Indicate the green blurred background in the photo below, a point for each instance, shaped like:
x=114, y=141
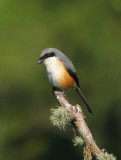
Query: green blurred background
x=89, y=33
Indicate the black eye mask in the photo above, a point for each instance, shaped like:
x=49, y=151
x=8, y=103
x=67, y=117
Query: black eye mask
x=47, y=55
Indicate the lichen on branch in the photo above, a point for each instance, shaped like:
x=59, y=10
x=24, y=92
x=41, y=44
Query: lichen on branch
x=60, y=117
x=73, y=115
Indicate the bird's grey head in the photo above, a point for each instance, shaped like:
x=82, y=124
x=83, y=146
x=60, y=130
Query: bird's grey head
x=51, y=52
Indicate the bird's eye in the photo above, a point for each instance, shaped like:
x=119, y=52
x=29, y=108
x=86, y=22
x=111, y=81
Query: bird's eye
x=47, y=55
x=51, y=54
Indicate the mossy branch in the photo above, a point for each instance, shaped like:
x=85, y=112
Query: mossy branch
x=73, y=115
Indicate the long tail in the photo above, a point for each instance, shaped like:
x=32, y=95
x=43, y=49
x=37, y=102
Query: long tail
x=83, y=98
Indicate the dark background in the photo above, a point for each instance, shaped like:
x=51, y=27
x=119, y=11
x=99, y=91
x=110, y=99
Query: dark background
x=89, y=33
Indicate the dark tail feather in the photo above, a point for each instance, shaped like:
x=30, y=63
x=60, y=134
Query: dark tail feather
x=84, y=99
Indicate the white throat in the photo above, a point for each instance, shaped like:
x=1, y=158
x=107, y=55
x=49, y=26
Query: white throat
x=54, y=71
x=50, y=61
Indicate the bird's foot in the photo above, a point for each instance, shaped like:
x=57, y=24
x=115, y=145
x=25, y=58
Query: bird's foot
x=59, y=92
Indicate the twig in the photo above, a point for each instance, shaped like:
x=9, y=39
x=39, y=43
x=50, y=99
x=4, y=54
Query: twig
x=79, y=123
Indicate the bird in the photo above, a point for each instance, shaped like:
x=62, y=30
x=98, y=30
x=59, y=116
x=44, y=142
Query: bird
x=61, y=72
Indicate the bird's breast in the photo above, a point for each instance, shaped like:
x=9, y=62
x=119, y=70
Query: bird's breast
x=57, y=74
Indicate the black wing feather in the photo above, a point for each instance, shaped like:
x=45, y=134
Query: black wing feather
x=73, y=74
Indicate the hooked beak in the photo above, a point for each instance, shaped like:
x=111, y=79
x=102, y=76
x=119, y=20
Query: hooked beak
x=39, y=61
